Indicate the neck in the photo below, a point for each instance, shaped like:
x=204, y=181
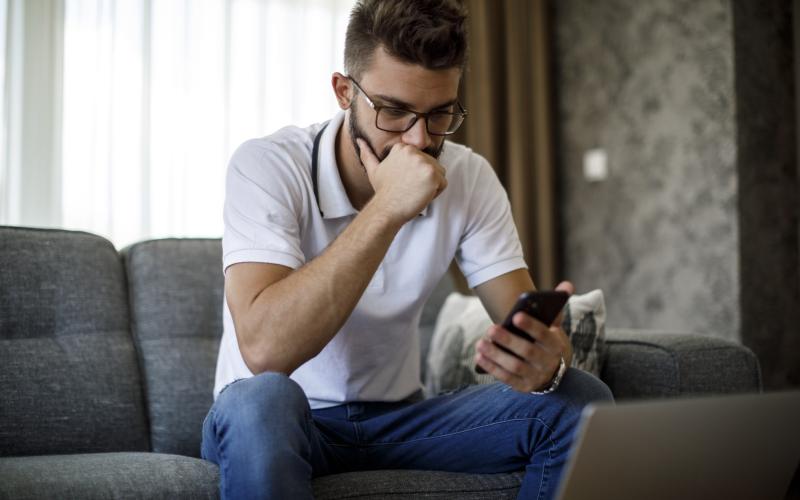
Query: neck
x=354, y=177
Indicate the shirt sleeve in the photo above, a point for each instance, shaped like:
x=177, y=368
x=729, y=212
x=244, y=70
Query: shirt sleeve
x=262, y=208
x=489, y=246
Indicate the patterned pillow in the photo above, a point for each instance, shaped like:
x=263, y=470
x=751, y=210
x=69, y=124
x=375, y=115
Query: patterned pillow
x=462, y=321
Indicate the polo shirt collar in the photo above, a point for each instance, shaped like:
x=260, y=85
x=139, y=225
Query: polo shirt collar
x=333, y=200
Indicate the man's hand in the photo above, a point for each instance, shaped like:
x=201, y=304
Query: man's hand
x=540, y=359
x=406, y=181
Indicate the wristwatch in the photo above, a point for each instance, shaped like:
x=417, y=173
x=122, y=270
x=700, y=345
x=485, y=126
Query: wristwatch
x=562, y=368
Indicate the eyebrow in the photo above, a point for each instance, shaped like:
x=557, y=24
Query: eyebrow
x=402, y=104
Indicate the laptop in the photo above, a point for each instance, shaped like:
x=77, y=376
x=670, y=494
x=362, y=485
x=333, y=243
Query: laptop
x=728, y=447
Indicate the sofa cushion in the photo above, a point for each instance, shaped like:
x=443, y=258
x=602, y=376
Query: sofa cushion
x=381, y=484
x=176, y=306
x=585, y=324
x=68, y=370
x=462, y=321
x=108, y=475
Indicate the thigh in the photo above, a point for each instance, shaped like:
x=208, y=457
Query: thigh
x=480, y=429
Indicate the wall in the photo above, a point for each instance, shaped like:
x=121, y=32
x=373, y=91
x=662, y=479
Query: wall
x=653, y=84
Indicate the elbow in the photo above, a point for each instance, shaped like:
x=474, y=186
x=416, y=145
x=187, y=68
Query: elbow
x=259, y=363
x=261, y=353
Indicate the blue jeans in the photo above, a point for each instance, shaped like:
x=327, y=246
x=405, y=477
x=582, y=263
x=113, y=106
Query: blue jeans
x=268, y=443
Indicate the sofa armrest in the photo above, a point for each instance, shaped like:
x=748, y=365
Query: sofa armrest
x=654, y=364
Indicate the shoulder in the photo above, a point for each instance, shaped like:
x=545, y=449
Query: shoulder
x=289, y=145
x=282, y=157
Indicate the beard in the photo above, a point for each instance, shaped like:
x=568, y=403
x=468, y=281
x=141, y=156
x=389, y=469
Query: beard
x=356, y=132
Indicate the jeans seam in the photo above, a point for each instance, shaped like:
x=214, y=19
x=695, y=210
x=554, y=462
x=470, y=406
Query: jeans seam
x=228, y=385
x=308, y=424
x=546, y=464
x=203, y=440
x=222, y=473
x=221, y=461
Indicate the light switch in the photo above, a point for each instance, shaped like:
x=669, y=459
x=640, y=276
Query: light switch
x=595, y=165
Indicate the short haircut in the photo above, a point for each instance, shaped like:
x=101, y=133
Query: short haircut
x=430, y=33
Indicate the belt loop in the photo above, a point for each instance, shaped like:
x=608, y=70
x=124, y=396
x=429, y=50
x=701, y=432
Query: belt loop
x=354, y=411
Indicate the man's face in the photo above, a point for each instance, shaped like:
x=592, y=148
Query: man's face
x=390, y=82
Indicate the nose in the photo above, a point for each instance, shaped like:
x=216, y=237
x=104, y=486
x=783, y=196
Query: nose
x=417, y=135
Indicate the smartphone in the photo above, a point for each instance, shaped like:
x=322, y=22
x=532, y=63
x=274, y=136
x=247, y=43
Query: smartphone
x=542, y=305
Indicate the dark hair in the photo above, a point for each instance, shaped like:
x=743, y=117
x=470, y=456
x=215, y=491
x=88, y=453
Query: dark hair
x=431, y=33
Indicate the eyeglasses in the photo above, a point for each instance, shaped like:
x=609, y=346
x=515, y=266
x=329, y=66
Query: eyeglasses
x=393, y=119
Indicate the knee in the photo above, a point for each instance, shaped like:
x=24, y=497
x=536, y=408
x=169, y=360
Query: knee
x=259, y=396
x=582, y=388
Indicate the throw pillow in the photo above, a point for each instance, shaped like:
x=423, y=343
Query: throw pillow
x=462, y=321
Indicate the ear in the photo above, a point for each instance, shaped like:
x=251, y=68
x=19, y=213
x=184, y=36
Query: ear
x=343, y=89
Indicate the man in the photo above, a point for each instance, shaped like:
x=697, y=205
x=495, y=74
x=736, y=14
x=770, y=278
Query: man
x=335, y=235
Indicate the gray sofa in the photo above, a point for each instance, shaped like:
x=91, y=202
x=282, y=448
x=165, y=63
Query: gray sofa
x=107, y=366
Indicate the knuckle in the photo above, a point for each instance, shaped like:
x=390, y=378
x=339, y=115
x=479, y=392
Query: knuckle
x=529, y=351
x=495, y=334
x=516, y=366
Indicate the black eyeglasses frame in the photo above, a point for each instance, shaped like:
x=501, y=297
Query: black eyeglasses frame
x=458, y=117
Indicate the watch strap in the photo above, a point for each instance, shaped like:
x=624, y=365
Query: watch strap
x=562, y=369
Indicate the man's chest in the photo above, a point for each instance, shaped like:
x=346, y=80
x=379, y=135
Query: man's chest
x=418, y=257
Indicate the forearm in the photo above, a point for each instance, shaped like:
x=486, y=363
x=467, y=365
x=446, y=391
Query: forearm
x=292, y=320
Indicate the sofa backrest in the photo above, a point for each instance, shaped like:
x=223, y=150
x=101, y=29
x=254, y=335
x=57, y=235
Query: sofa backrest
x=176, y=288
x=69, y=377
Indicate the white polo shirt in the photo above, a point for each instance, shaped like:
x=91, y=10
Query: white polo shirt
x=272, y=215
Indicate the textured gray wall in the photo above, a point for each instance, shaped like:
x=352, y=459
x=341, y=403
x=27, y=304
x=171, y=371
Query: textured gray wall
x=653, y=84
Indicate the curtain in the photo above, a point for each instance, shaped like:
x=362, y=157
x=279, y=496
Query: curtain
x=4, y=188
x=30, y=112
x=150, y=100
x=507, y=93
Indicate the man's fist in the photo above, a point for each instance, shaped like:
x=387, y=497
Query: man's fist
x=406, y=181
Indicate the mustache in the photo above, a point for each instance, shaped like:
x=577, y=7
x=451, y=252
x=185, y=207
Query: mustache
x=431, y=151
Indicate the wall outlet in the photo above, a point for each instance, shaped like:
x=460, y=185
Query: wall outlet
x=595, y=165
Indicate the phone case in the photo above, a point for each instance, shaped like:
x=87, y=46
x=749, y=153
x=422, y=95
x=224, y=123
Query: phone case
x=544, y=306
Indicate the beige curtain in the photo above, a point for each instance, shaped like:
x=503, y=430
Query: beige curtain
x=507, y=92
